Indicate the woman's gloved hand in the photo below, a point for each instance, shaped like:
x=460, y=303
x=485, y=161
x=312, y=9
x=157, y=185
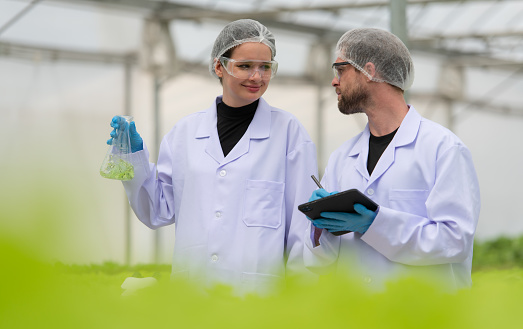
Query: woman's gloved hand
x=344, y=221
x=120, y=123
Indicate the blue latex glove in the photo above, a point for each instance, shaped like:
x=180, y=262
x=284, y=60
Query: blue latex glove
x=120, y=123
x=318, y=194
x=344, y=221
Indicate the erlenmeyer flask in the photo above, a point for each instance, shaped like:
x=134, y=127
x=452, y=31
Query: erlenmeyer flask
x=117, y=164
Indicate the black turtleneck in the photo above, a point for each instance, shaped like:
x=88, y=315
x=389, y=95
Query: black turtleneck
x=233, y=123
x=377, y=146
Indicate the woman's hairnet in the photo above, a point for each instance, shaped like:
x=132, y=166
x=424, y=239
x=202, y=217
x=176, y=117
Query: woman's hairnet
x=238, y=32
x=386, y=51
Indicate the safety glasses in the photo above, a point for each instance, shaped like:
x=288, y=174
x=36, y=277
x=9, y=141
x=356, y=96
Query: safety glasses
x=245, y=69
x=337, y=68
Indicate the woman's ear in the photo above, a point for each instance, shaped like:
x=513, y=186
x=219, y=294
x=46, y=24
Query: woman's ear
x=218, y=69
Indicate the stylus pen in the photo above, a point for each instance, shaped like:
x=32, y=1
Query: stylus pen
x=316, y=181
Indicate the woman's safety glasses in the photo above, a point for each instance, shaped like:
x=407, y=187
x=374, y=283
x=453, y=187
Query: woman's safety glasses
x=245, y=69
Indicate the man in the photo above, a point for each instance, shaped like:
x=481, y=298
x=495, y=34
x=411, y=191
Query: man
x=419, y=173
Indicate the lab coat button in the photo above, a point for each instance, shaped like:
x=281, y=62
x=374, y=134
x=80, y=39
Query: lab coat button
x=223, y=173
x=214, y=258
x=218, y=214
x=370, y=191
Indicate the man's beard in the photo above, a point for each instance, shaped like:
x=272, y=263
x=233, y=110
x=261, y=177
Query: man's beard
x=355, y=102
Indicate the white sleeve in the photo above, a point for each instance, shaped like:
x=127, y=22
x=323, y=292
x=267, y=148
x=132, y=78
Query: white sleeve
x=321, y=258
x=151, y=198
x=301, y=164
x=447, y=234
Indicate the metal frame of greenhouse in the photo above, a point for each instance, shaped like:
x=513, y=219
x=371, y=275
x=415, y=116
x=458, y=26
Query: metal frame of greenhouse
x=157, y=16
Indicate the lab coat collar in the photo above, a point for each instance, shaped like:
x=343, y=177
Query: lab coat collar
x=260, y=126
x=258, y=129
x=209, y=121
x=405, y=135
x=408, y=129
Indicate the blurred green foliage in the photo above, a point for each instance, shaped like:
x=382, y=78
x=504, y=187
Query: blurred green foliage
x=499, y=253
x=36, y=294
x=502, y=252
x=112, y=268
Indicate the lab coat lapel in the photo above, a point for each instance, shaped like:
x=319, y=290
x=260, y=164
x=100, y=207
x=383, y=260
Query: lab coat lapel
x=405, y=135
x=361, y=150
x=385, y=161
x=239, y=149
x=207, y=129
x=259, y=128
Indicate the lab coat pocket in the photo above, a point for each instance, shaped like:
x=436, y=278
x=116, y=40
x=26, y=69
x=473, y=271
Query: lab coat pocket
x=410, y=201
x=263, y=203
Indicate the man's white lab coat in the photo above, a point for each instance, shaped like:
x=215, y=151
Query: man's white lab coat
x=428, y=196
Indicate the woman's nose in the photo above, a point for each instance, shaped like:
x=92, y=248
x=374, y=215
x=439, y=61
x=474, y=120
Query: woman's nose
x=254, y=77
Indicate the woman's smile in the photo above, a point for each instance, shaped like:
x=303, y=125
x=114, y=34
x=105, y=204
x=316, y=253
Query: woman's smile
x=252, y=88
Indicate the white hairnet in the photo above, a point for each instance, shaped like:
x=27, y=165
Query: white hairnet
x=238, y=32
x=386, y=51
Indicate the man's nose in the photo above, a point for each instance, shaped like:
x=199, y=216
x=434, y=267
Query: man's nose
x=335, y=82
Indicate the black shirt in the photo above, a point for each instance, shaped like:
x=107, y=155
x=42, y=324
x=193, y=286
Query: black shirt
x=233, y=123
x=377, y=146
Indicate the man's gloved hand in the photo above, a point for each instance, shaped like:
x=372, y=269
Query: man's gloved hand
x=344, y=221
x=120, y=123
x=318, y=194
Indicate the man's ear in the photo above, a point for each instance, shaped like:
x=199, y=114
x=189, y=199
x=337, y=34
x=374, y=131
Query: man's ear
x=218, y=69
x=370, y=69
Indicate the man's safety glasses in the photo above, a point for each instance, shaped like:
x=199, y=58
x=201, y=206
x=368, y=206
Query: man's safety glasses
x=337, y=68
x=245, y=69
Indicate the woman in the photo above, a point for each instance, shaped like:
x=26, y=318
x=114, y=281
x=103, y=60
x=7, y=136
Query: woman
x=231, y=177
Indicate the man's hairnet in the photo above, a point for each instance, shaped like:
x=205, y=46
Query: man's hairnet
x=386, y=51
x=238, y=32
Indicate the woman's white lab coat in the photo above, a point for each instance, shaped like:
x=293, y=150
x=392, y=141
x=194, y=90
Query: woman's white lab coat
x=236, y=217
x=428, y=193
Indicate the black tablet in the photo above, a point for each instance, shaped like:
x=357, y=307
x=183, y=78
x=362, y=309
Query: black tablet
x=339, y=202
